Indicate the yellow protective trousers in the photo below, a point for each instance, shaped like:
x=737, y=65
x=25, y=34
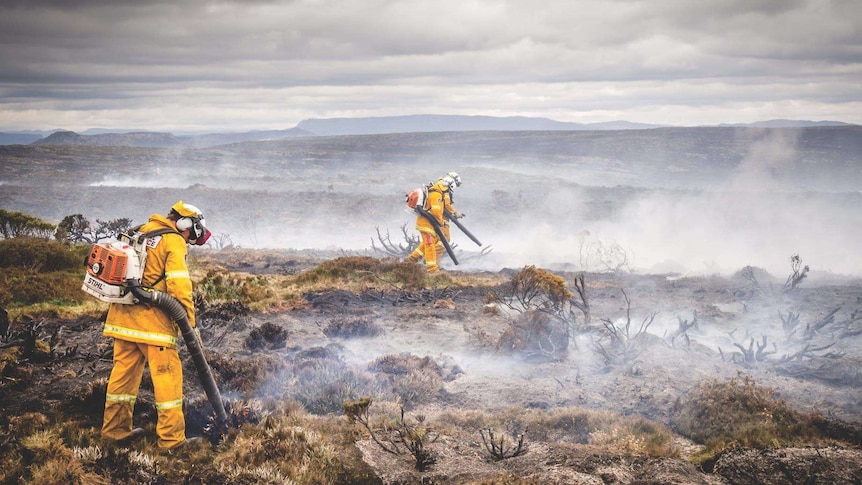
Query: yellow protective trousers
x=166, y=371
x=429, y=249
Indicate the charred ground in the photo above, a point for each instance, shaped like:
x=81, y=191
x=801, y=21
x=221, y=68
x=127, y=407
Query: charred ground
x=733, y=376
x=644, y=392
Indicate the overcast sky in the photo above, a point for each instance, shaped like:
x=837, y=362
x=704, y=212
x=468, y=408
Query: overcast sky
x=196, y=65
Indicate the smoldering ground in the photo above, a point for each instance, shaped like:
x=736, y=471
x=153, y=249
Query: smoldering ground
x=446, y=353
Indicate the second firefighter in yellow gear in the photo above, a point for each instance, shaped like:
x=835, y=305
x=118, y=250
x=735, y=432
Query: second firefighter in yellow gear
x=438, y=203
x=146, y=335
x=428, y=236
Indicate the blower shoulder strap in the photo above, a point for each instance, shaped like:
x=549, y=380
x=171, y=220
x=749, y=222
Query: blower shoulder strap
x=139, y=240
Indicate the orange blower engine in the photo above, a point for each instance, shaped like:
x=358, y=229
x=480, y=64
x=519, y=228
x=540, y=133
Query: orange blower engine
x=109, y=266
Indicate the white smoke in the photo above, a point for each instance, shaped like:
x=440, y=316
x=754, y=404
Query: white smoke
x=756, y=217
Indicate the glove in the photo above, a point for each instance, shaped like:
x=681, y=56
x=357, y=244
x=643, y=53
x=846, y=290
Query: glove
x=460, y=215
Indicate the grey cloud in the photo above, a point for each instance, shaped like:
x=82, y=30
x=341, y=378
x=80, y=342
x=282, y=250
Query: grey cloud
x=398, y=55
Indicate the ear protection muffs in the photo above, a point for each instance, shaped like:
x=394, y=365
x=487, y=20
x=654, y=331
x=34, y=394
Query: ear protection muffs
x=199, y=234
x=185, y=223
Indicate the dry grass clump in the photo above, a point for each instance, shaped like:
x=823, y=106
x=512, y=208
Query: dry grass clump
x=412, y=379
x=27, y=423
x=624, y=435
x=404, y=363
x=279, y=450
x=507, y=479
x=52, y=463
x=281, y=445
x=267, y=336
x=351, y=327
x=321, y=381
x=67, y=453
x=739, y=414
x=8, y=357
x=535, y=335
x=222, y=285
x=357, y=272
x=244, y=376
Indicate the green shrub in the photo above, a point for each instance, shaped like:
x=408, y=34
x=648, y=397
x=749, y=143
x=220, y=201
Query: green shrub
x=40, y=255
x=25, y=287
x=17, y=224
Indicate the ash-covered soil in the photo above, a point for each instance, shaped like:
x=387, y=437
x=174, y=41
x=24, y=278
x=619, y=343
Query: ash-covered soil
x=805, y=343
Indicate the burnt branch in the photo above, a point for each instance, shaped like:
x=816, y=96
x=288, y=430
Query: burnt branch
x=798, y=273
x=682, y=329
x=623, y=347
x=814, y=329
x=396, y=437
x=580, y=300
x=849, y=328
x=789, y=324
x=750, y=355
x=388, y=248
x=499, y=448
x=809, y=352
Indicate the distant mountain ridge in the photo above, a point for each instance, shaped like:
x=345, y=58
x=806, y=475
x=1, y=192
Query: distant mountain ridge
x=140, y=139
x=787, y=124
x=353, y=126
x=435, y=123
x=164, y=140
x=19, y=138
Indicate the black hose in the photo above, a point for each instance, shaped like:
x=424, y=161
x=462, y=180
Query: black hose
x=455, y=221
x=177, y=312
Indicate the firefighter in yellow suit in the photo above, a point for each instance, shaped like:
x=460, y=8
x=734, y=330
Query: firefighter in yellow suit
x=439, y=198
x=145, y=335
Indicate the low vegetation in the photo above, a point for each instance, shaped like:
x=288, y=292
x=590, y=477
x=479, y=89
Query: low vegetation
x=300, y=415
x=740, y=414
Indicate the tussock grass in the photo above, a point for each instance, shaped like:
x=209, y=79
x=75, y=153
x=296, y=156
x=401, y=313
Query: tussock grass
x=623, y=435
x=356, y=273
x=412, y=379
x=286, y=446
x=507, y=479
x=220, y=285
x=351, y=327
x=739, y=414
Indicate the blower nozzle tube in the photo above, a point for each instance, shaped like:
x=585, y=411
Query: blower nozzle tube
x=177, y=313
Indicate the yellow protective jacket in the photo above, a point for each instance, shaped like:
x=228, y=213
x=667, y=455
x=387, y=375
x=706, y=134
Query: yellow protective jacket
x=447, y=204
x=434, y=205
x=142, y=323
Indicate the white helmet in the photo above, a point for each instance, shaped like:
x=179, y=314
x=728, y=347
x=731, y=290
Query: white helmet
x=451, y=179
x=191, y=218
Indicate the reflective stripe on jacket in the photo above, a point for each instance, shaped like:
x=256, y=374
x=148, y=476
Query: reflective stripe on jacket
x=166, y=255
